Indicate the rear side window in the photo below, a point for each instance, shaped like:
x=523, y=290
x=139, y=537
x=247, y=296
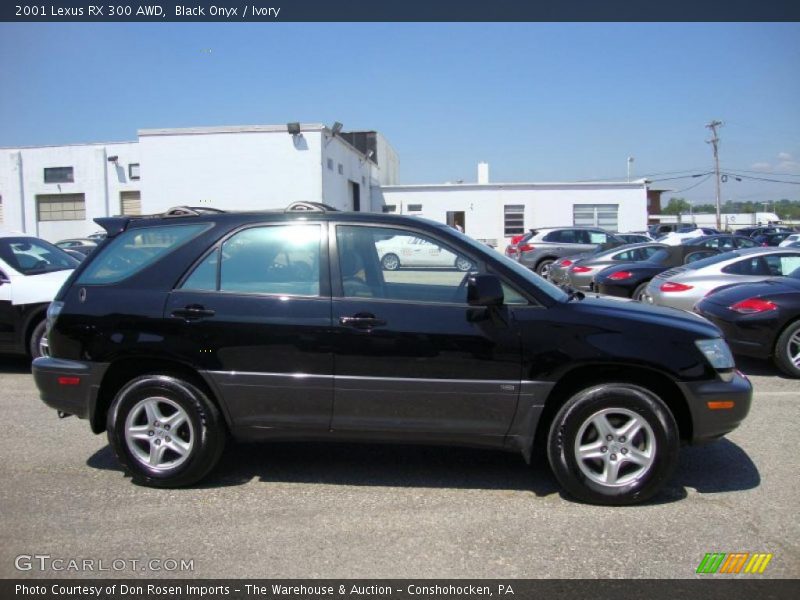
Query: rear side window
x=276, y=259
x=135, y=249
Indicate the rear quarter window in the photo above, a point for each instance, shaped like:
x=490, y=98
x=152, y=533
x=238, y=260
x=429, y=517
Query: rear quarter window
x=135, y=249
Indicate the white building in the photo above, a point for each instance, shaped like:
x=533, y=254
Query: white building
x=55, y=192
x=492, y=212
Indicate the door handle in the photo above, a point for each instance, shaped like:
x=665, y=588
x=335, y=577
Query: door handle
x=362, y=321
x=193, y=312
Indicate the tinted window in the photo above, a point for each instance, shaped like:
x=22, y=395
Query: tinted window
x=754, y=265
x=31, y=256
x=135, y=249
x=400, y=265
x=280, y=259
x=712, y=260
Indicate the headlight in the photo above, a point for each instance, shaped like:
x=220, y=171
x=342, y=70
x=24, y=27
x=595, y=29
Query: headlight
x=717, y=353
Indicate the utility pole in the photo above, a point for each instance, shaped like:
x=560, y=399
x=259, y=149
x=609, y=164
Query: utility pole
x=714, y=141
x=630, y=162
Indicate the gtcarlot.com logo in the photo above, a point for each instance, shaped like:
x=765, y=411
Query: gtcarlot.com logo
x=46, y=562
x=734, y=563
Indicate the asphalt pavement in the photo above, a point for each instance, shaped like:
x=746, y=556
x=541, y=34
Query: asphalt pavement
x=379, y=511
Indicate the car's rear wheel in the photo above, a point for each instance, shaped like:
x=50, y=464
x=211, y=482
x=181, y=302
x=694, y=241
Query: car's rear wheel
x=165, y=431
x=787, y=350
x=639, y=292
x=543, y=267
x=613, y=444
x=390, y=262
x=37, y=344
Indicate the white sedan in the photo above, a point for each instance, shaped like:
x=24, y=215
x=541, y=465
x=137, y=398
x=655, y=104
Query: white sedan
x=409, y=251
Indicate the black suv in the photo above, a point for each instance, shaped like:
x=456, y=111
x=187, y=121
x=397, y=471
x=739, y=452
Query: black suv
x=186, y=328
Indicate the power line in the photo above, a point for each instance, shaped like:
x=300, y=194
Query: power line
x=682, y=177
x=694, y=185
x=731, y=174
x=766, y=173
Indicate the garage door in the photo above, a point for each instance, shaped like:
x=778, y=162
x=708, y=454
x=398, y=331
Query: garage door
x=131, y=203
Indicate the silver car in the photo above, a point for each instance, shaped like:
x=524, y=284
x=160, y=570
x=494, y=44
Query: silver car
x=684, y=286
x=581, y=273
x=542, y=247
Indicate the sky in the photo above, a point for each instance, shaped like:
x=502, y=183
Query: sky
x=537, y=101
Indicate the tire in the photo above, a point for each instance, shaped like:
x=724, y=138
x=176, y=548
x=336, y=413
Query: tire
x=463, y=264
x=202, y=432
x=613, y=406
x=37, y=343
x=787, y=350
x=543, y=267
x=638, y=293
x=390, y=262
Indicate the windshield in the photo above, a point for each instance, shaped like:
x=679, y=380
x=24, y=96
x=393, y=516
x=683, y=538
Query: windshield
x=32, y=256
x=540, y=283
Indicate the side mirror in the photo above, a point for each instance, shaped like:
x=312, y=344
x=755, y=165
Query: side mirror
x=484, y=290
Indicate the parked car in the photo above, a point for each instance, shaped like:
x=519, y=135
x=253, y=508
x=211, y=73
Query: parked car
x=684, y=286
x=511, y=249
x=31, y=272
x=542, y=247
x=407, y=251
x=723, y=242
x=580, y=275
x=760, y=230
x=559, y=270
x=82, y=245
x=770, y=239
x=629, y=280
x=634, y=238
x=285, y=325
x=760, y=319
x=789, y=240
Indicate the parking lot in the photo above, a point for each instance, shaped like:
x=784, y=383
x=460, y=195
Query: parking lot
x=314, y=510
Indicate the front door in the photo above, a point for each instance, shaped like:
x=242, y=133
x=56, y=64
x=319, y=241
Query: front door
x=411, y=356
x=258, y=310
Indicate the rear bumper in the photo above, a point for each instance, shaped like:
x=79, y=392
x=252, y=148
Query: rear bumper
x=612, y=290
x=68, y=385
x=709, y=424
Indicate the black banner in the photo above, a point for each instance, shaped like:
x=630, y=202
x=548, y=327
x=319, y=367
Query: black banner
x=401, y=589
x=406, y=10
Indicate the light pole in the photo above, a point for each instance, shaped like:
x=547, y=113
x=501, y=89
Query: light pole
x=630, y=162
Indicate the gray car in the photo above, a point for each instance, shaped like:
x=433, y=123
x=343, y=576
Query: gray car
x=581, y=274
x=546, y=245
x=684, y=286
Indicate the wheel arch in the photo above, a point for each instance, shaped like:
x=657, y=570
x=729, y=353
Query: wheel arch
x=125, y=369
x=582, y=377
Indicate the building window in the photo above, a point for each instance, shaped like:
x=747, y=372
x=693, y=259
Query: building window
x=59, y=175
x=414, y=208
x=513, y=219
x=389, y=208
x=330, y=164
x=130, y=203
x=341, y=169
x=133, y=171
x=61, y=207
x=596, y=215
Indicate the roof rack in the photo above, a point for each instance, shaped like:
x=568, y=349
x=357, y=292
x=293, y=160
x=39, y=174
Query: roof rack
x=182, y=211
x=309, y=207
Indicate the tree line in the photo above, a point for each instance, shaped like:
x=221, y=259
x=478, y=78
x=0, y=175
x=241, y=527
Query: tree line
x=785, y=209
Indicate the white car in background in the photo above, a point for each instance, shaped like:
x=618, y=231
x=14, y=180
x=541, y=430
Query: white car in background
x=31, y=273
x=795, y=237
x=409, y=251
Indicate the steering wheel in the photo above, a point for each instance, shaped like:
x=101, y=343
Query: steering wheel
x=39, y=264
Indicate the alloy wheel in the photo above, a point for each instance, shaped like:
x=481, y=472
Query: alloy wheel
x=159, y=433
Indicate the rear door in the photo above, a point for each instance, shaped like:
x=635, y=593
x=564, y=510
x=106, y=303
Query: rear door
x=256, y=310
x=411, y=356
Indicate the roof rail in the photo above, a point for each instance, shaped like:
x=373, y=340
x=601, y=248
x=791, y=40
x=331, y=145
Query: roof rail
x=182, y=211
x=309, y=207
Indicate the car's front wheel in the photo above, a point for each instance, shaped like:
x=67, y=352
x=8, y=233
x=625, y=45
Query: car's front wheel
x=543, y=267
x=640, y=291
x=613, y=444
x=787, y=350
x=37, y=344
x=390, y=262
x=165, y=431
x=463, y=264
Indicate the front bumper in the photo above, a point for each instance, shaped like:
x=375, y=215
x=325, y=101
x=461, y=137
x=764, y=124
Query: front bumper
x=69, y=386
x=709, y=424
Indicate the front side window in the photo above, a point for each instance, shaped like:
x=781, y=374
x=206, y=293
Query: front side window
x=135, y=249
x=395, y=264
x=31, y=256
x=279, y=259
